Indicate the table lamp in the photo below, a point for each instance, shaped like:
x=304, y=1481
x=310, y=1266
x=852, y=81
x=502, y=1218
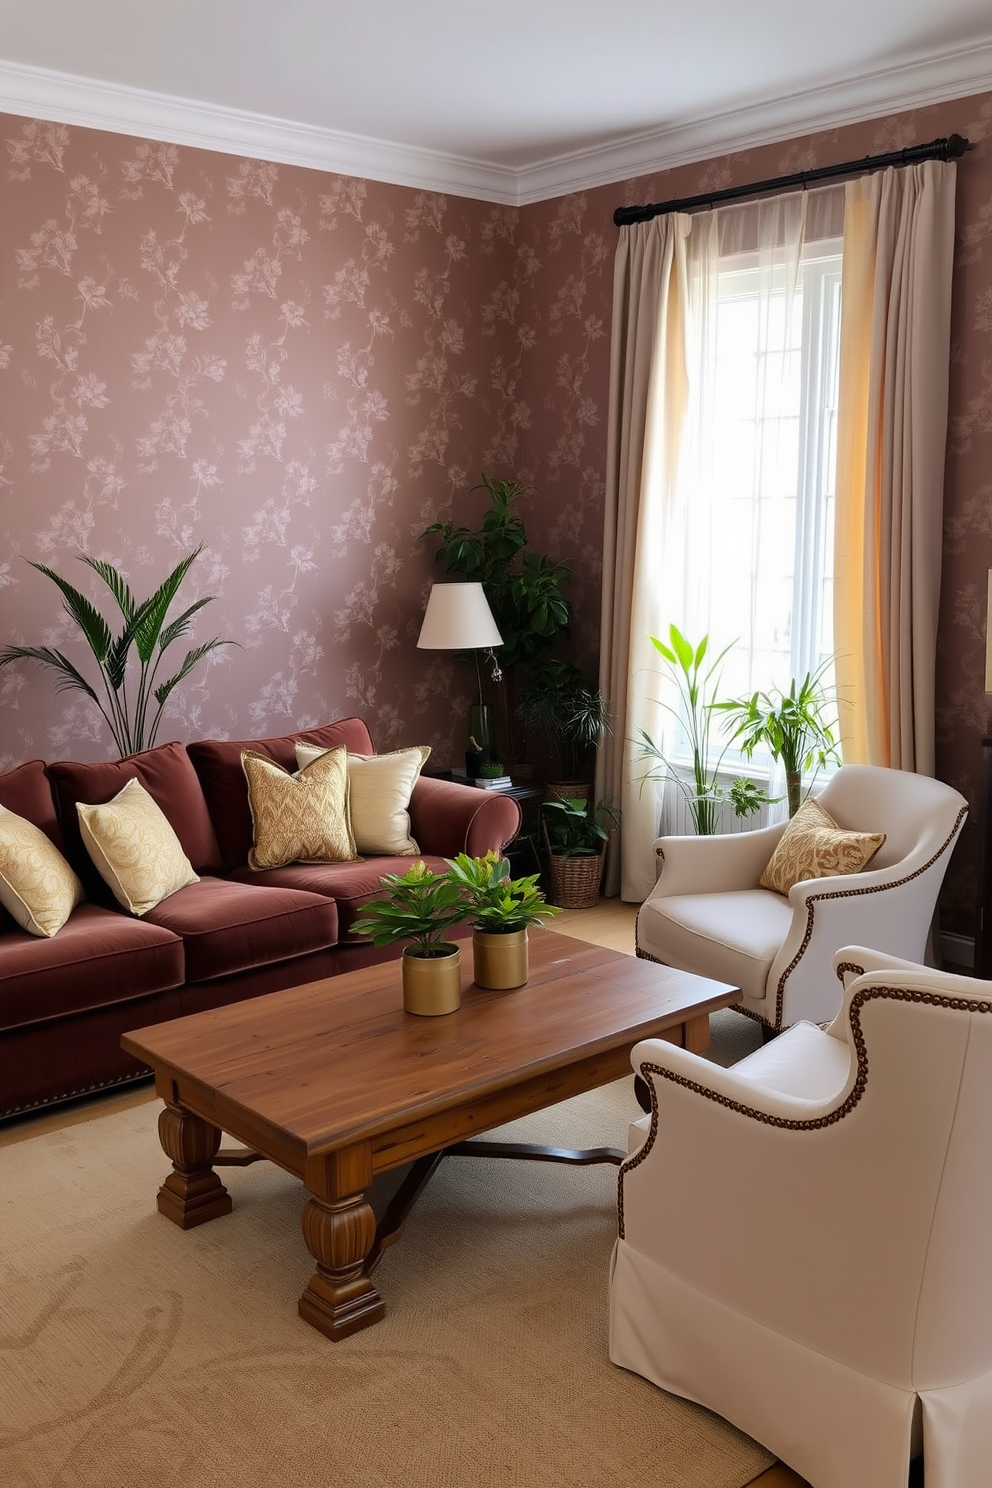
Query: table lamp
x=458, y=618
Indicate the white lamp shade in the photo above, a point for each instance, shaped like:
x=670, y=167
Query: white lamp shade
x=458, y=618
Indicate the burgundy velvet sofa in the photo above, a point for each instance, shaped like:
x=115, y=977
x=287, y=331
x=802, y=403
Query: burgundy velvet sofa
x=65, y=1001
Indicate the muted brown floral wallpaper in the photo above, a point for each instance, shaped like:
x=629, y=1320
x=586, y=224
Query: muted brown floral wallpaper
x=301, y=370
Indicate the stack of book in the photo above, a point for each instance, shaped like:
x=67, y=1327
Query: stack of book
x=493, y=782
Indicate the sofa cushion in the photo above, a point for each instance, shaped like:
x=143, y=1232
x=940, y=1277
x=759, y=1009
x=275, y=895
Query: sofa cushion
x=169, y=778
x=27, y=791
x=228, y=926
x=218, y=764
x=137, y=853
x=379, y=791
x=37, y=886
x=99, y=957
x=299, y=817
x=349, y=885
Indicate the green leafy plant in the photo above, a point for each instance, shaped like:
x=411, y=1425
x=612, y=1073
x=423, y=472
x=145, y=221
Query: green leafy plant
x=697, y=676
x=419, y=906
x=578, y=828
x=524, y=589
x=497, y=903
x=131, y=719
x=795, y=727
x=557, y=702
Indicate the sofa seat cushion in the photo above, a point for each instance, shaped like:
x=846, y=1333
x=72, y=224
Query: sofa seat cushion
x=349, y=885
x=228, y=927
x=731, y=937
x=99, y=957
x=218, y=764
x=169, y=778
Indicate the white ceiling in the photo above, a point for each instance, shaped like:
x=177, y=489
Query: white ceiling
x=512, y=102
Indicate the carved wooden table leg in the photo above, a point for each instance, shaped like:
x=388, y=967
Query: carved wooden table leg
x=339, y=1229
x=192, y=1193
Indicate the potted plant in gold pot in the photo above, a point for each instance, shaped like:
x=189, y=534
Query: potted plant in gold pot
x=501, y=910
x=420, y=906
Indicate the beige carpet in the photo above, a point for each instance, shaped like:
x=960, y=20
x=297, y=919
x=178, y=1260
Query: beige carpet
x=133, y=1355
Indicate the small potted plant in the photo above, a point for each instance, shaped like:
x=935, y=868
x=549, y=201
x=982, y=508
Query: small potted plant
x=576, y=833
x=501, y=910
x=420, y=906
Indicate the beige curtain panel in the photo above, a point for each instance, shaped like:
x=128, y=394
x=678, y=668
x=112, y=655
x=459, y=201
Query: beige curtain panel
x=891, y=434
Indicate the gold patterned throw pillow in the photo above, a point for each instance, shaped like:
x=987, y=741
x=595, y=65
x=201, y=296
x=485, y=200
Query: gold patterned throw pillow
x=37, y=885
x=299, y=818
x=134, y=848
x=814, y=846
x=379, y=791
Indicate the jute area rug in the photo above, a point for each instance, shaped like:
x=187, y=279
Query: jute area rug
x=133, y=1355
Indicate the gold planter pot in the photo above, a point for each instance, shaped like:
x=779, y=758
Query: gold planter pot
x=432, y=985
x=501, y=960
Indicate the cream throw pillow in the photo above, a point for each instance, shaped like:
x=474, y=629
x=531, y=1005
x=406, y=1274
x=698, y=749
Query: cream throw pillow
x=814, y=846
x=37, y=885
x=134, y=848
x=380, y=787
x=299, y=818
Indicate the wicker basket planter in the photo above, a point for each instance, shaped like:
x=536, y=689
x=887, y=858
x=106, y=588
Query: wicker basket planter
x=575, y=881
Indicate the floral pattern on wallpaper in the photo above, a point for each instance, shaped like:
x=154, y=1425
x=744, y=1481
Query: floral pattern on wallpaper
x=298, y=371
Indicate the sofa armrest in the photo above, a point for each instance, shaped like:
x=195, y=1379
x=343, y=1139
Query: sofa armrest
x=713, y=865
x=448, y=818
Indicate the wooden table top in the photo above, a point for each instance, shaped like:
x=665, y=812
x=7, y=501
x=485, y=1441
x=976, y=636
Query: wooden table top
x=339, y=1061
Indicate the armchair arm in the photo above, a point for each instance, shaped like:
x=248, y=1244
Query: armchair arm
x=447, y=818
x=714, y=865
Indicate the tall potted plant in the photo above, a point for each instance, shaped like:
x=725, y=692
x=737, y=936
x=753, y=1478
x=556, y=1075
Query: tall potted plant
x=132, y=719
x=501, y=910
x=419, y=906
x=795, y=727
x=696, y=675
x=525, y=590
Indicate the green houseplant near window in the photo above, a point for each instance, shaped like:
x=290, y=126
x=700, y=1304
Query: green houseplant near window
x=419, y=906
x=793, y=726
x=697, y=676
x=132, y=721
x=501, y=910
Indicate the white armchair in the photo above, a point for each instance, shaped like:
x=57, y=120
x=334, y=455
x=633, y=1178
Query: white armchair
x=804, y=1238
x=707, y=913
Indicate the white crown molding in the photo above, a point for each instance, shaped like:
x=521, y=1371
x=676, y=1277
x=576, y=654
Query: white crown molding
x=43, y=94
x=939, y=79
x=65, y=99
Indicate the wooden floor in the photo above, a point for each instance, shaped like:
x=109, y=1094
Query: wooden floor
x=611, y=924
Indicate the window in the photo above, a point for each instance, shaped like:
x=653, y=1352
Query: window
x=756, y=474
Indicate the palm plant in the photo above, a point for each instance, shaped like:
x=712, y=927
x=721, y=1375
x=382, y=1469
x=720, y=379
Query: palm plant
x=697, y=676
x=131, y=719
x=558, y=702
x=791, y=725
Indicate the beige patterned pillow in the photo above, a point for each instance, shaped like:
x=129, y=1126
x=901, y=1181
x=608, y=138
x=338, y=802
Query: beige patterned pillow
x=299, y=818
x=380, y=787
x=37, y=885
x=814, y=846
x=134, y=848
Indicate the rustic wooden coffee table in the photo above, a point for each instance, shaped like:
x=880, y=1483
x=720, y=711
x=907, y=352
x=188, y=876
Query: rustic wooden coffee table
x=334, y=1082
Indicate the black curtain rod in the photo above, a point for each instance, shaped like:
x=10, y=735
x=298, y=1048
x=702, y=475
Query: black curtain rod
x=939, y=149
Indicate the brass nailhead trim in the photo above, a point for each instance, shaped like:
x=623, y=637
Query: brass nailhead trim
x=785, y=1123
x=851, y=894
